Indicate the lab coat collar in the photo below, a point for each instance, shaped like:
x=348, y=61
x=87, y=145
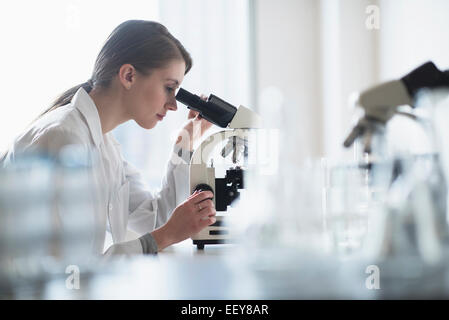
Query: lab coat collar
x=84, y=103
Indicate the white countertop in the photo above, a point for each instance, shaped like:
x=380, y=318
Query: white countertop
x=231, y=272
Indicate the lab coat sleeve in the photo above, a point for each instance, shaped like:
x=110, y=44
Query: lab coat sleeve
x=48, y=141
x=144, y=245
x=127, y=248
x=148, y=210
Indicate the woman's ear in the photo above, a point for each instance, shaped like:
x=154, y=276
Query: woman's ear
x=127, y=75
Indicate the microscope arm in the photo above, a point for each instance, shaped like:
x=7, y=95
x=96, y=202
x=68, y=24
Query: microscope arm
x=201, y=176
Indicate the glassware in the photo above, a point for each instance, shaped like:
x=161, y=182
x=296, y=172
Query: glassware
x=26, y=225
x=47, y=219
x=354, y=192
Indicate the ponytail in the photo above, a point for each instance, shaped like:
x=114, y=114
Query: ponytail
x=67, y=96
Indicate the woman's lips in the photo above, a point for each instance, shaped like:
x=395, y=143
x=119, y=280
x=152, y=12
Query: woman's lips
x=160, y=116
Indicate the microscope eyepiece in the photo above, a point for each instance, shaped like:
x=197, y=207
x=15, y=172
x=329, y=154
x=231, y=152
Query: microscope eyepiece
x=214, y=109
x=187, y=98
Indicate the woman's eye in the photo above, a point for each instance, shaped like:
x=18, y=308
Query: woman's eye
x=170, y=90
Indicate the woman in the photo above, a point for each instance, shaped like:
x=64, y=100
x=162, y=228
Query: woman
x=135, y=77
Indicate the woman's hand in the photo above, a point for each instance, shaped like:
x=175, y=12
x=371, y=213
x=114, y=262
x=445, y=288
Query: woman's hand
x=193, y=130
x=189, y=218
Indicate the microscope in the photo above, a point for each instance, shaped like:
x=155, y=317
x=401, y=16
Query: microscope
x=237, y=123
x=416, y=221
x=381, y=102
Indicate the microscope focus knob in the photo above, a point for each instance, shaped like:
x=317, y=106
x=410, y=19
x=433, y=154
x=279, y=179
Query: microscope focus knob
x=204, y=187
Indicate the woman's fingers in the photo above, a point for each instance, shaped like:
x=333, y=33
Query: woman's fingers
x=201, y=196
x=207, y=222
x=193, y=194
x=205, y=204
x=192, y=114
x=207, y=213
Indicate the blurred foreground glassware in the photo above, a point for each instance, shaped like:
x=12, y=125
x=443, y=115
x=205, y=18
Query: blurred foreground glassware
x=285, y=210
x=26, y=234
x=47, y=219
x=438, y=103
x=355, y=191
x=414, y=223
x=411, y=223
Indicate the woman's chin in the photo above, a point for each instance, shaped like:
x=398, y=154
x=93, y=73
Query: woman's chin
x=147, y=124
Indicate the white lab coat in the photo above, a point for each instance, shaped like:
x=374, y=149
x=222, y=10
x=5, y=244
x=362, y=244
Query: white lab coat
x=123, y=200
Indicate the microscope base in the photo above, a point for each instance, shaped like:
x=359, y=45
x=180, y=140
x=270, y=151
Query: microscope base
x=201, y=243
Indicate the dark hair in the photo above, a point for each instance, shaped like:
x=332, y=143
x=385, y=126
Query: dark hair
x=146, y=45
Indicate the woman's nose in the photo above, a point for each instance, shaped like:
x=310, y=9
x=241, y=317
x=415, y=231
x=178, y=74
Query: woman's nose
x=171, y=104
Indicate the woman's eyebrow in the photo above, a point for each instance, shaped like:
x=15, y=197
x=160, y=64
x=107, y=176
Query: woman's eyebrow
x=174, y=80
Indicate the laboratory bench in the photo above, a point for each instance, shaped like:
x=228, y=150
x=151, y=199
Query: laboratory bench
x=230, y=272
